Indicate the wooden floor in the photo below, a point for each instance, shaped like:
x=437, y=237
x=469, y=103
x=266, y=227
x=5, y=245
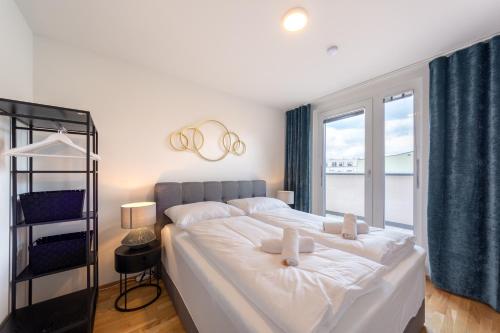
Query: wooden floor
x=444, y=313
x=159, y=317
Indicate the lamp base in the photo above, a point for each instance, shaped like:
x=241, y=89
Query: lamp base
x=139, y=238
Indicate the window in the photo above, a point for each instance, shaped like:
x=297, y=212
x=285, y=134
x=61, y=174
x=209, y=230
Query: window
x=345, y=143
x=399, y=160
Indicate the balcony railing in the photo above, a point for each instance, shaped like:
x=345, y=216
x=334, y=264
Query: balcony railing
x=345, y=193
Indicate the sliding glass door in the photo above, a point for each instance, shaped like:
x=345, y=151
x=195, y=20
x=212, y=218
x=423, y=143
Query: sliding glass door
x=345, y=164
x=346, y=168
x=368, y=160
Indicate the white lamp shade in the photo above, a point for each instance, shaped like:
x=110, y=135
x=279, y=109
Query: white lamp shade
x=138, y=215
x=286, y=196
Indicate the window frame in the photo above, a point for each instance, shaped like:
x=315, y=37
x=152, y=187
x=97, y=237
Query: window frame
x=416, y=79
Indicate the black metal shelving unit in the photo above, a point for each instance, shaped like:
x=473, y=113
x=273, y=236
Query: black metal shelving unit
x=72, y=312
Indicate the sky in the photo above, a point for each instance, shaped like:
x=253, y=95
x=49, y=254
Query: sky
x=345, y=137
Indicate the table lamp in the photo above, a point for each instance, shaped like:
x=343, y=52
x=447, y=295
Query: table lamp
x=286, y=196
x=139, y=217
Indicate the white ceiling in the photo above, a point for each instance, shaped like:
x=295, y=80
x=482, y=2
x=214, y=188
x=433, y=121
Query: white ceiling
x=238, y=46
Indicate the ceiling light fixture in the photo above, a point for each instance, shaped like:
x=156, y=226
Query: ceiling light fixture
x=295, y=19
x=332, y=50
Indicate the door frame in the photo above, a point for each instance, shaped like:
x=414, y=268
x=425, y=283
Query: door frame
x=415, y=78
x=367, y=106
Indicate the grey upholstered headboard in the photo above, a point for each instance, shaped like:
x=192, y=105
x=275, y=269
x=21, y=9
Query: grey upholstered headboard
x=171, y=194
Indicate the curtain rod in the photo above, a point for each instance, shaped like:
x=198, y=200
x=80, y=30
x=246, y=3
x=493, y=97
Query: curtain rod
x=415, y=64
x=449, y=52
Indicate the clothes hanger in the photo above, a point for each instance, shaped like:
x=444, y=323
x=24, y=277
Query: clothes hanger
x=56, y=138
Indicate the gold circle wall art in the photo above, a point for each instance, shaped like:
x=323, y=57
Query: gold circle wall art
x=191, y=138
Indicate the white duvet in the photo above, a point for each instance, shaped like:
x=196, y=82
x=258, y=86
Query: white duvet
x=386, y=247
x=310, y=297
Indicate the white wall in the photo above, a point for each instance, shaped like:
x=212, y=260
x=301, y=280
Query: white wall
x=135, y=110
x=16, y=82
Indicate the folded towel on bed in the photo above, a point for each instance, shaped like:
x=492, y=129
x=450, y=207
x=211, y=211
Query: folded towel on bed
x=275, y=245
x=362, y=227
x=349, y=227
x=334, y=227
x=290, y=251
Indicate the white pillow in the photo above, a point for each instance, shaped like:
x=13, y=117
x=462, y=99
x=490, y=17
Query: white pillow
x=257, y=204
x=184, y=215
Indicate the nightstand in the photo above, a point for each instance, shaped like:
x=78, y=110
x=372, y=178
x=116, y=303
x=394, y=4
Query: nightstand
x=130, y=261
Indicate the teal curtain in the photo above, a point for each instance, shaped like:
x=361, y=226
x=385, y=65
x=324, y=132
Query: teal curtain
x=464, y=172
x=298, y=156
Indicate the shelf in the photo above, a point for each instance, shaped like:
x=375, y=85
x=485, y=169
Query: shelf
x=50, y=130
x=27, y=274
x=46, y=116
x=69, y=313
x=73, y=312
x=52, y=171
x=23, y=224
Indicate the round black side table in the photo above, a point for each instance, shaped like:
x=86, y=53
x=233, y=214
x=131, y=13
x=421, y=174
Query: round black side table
x=130, y=261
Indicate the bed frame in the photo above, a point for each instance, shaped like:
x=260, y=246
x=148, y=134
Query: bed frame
x=170, y=194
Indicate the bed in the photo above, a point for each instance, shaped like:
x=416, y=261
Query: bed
x=207, y=301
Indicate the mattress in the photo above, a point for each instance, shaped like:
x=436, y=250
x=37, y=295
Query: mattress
x=216, y=305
